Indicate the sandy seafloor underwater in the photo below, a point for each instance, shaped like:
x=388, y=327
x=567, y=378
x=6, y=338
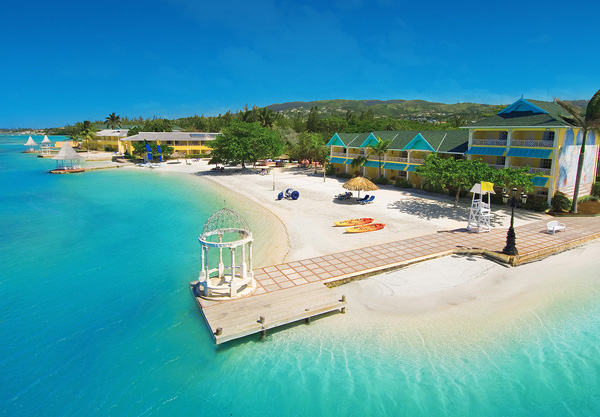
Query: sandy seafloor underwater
x=96, y=318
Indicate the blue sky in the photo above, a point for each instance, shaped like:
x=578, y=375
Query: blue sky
x=66, y=61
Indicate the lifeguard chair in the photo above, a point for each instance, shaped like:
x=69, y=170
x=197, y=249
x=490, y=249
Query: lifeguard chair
x=481, y=212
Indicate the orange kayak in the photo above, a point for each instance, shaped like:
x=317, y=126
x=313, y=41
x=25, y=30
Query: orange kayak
x=354, y=222
x=365, y=228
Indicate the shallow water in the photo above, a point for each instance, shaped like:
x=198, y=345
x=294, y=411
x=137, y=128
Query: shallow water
x=97, y=319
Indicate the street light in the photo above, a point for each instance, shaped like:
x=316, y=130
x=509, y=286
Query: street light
x=511, y=248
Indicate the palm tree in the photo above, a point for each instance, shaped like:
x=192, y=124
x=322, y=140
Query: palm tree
x=587, y=122
x=113, y=120
x=358, y=161
x=380, y=150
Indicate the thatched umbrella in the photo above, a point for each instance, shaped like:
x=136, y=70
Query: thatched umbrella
x=360, y=184
x=177, y=155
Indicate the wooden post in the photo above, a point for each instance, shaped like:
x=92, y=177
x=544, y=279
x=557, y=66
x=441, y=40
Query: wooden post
x=219, y=331
x=262, y=321
x=307, y=320
x=343, y=300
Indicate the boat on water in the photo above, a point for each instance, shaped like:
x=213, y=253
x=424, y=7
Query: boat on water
x=354, y=222
x=365, y=228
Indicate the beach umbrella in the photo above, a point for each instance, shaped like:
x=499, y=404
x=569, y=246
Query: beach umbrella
x=177, y=155
x=360, y=184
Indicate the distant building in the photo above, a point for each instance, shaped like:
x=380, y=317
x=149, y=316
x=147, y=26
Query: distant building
x=189, y=143
x=184, y=142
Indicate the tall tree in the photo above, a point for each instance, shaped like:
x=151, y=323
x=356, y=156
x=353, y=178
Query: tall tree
x=245, y=142
x=113, y=120
x=588, y=121
x=379, y=149
x=312, y=124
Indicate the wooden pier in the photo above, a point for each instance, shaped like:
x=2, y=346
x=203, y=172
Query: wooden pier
x=234, y=319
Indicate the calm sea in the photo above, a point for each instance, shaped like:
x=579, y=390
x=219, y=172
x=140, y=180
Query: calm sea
x=96, y=318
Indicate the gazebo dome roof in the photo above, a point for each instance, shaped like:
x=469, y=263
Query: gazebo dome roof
x=227, y=223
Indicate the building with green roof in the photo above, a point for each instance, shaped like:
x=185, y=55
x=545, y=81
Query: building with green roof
x=407, y=150
x=538, y=135
x=528, y=133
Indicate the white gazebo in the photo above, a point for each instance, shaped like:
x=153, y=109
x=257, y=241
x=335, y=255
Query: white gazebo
x=480, y=213
x=67, y=160
x=226, y=231
x=30, y=145
x=45, y=146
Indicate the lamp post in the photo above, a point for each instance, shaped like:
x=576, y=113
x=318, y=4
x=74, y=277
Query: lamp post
x=511, y=248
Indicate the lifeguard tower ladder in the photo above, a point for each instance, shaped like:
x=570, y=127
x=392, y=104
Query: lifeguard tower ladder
x=480, y=212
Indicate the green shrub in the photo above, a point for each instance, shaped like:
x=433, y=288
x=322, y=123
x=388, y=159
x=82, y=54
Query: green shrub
x=588, y=198
x=560, y=202
x=433, y=189
x=329, y=169
x=402, y=183
x=452, y=191
x=536, y=204
x=596, y=189
x=380, y=180
x=343, y=175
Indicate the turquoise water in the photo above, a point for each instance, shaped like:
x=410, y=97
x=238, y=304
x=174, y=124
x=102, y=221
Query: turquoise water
x=96, y=318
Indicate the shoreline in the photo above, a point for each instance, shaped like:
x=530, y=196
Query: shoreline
x=446, y=290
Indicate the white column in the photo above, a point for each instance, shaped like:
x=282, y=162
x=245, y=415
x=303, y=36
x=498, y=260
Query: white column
x=221, y=265
x=243, y=264
x=232, y=283
x=202, y=274
x=250, y=255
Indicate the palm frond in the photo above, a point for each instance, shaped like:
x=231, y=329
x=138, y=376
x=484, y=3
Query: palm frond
x=575, y=112
x=592, y=113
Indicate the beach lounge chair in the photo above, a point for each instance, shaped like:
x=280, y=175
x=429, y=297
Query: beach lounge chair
x=366, y=197
x=368, y=200
x=554, y=226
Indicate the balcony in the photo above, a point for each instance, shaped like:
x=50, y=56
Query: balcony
x=396, y=159
x=342, y=154
x=489, y=142
x=416, y=161
x=531, y=143
x=545, y=171
x=497, y=166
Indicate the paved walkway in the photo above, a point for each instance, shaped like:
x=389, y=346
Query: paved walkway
x=532, y=243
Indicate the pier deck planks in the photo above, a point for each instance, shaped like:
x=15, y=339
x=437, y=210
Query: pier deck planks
x=241, y=317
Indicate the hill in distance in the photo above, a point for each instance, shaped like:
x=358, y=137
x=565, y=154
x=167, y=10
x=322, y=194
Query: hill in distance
x=397, y=109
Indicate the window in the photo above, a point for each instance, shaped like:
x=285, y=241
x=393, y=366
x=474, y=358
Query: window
x=548, y=135
x=500, y=160
x=503, y=135
x=546, y=163
x=541, y=191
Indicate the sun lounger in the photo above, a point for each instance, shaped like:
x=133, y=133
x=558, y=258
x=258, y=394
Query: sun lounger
x=554, y=226
x=358, y=200
x=368, y=200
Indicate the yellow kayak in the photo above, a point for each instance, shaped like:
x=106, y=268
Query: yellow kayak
x=354, y=222
x=365, y=228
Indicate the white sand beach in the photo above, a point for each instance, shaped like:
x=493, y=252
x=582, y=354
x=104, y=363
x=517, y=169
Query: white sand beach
x=468, y=289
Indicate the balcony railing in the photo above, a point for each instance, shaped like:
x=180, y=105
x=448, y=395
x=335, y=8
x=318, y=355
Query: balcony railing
x=497, y=166
x=342, y=154
x=545, y=171
x=533, y=143
x=489, y=142
x=396, y=159
x=416, y=161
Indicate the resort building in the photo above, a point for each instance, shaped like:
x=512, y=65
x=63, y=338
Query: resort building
x=189, y=143
x=407, y=150
x=528, y=133
x=110, y=139
x=536, y=134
